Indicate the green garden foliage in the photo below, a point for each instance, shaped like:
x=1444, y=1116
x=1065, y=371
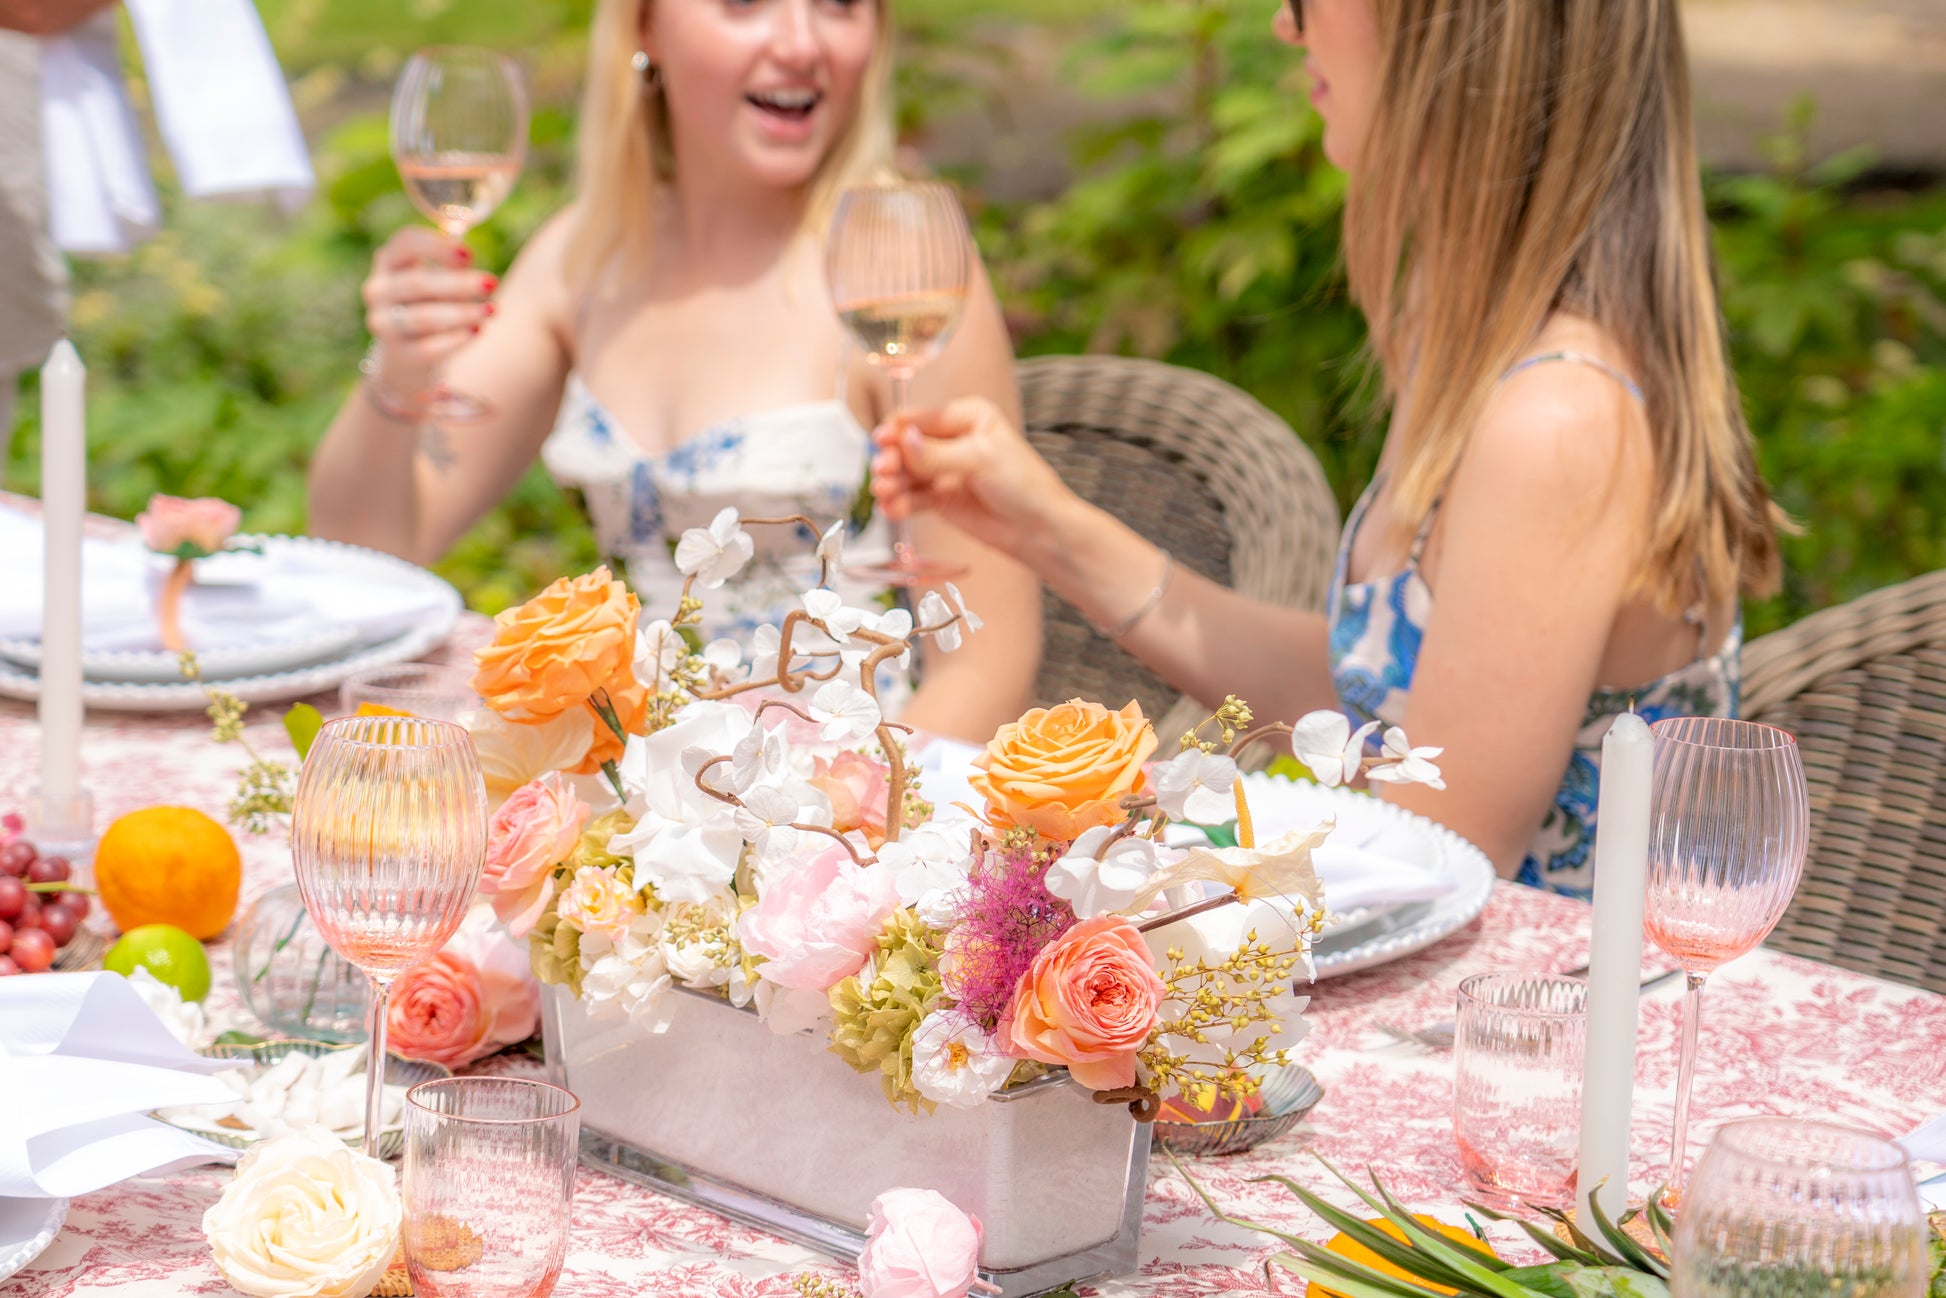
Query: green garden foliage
x=1200, y=227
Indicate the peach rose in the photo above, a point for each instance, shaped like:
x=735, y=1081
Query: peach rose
x=187, y=529
x=1064, y=770
x=1088, y=1001
x=535, y=830
x=558, y=651
x=473, y=998
x=857, y=786
x=595, y=901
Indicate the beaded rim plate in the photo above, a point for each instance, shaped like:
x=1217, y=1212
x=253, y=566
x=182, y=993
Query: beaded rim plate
x=27, y=1227
x=1289, y=1094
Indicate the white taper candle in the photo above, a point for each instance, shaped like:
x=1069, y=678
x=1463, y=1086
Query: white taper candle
x=1615, y=966
x=64, y=492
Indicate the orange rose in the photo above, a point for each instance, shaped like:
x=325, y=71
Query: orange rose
x=1064, y=770
x=558, y=650
x=1089, y=1001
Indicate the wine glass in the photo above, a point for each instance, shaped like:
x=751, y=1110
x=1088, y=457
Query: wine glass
x=388, y=834
x=1787, y=1209
x=459, y=137
x=1727, y=835
x=488, y=1179
x=898, y=261
x=415, y=689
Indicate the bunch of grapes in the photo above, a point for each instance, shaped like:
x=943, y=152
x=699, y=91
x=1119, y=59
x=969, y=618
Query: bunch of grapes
x=34, y=924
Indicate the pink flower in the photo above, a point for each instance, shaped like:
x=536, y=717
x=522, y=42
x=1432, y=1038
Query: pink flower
x=816, y=922
x=534, y=831
x=857, y=787
x=1089, y=1001
x=172, y=525
x=918, y=1245
x=595, y=901
x=473, y=998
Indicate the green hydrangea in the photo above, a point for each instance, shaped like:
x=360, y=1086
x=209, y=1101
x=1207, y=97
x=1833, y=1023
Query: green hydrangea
x=554, y=952
x=593, y=848
x=876, y=1015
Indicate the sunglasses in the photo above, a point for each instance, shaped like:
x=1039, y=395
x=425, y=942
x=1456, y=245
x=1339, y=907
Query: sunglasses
x=1297, y=15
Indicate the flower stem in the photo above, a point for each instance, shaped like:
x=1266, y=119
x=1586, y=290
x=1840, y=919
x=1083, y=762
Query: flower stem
x=614, y=775
x=168, y=609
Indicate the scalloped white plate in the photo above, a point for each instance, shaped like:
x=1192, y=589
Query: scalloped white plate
x=27, y=1227
x=17, y=682
x=160, y=667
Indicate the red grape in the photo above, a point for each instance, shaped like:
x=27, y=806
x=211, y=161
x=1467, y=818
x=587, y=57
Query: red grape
x=33, y=950
x=13, y=896
x=49, y=869
x=30, y=913
x=16, y=856
x=7, y=966
x=59, y=923
x=76, y=902
x=6, y=936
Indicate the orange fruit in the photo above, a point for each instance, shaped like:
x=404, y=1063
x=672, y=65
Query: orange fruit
x=1352, y=1251
x=168, y=865
x=380, y=710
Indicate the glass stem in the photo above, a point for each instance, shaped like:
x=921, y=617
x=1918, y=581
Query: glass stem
x=1692, y=1014
x=375, y=1061
x=902, y=550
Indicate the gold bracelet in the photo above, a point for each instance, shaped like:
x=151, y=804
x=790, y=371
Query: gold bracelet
x=1129, y=623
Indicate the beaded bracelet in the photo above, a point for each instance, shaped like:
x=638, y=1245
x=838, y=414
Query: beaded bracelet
x=1128, y=623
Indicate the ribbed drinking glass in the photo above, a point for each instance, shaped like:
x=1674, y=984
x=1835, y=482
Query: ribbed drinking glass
x=1518, y=1045
x=388, y=834
x=1785, y=1209
x=489, y=1176
x=1728, y=827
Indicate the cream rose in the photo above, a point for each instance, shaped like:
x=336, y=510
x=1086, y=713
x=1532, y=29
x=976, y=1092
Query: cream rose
x=305, y=1217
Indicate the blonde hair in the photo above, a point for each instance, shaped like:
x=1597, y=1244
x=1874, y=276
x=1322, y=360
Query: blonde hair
x=622, y=157
x=1537, y=156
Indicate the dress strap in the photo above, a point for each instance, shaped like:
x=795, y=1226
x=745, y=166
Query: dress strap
x=1579, y=358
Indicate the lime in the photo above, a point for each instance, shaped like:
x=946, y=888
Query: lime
x=172, y=955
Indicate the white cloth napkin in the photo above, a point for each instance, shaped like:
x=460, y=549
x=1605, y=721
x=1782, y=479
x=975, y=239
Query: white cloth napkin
x=220, y=100
x=100, y=198
x=238, y=600
x=82, y=1061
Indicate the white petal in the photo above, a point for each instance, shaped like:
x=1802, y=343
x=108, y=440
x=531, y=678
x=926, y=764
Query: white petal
x=831, y=546
x=973, y=622
x=847, y=713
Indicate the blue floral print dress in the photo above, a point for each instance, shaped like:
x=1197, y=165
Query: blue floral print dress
x=1376, y=627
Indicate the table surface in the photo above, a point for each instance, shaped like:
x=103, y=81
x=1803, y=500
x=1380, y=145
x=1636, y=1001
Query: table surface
x=1780, y=1036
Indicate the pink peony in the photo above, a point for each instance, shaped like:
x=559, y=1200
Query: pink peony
x=534, y=831
x=817, y=921
x=918, y=1245
x=856, y=786
x=171, y=525
x=1089, y=1002
x=473, y=998
x=595, y=901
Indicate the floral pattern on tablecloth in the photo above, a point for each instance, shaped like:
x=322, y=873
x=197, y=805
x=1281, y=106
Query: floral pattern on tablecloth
x=1780, y=1035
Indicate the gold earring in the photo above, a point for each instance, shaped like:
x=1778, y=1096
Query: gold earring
x=646, y=69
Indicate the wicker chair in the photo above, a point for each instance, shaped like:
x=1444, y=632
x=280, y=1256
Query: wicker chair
x=1198, y=465
x=1863, y=687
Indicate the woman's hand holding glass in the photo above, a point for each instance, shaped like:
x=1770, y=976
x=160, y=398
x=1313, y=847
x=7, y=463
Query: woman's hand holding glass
x=424, y=300
x=968, y=463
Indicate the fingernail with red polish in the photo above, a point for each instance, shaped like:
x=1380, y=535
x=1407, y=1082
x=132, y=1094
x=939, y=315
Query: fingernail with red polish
x=476, y=328
x=465, y=253
x=489, y=283
x=489, y=308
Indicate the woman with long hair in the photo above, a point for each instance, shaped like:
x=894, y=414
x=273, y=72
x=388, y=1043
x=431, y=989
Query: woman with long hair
x=667, y=344
x=1566, y=508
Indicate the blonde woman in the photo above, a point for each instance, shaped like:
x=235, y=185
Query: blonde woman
x=1566, y=508
x=667, y=345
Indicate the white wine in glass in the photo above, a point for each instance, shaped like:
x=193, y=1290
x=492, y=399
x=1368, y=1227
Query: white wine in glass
x=899, y=262
x=459, y=138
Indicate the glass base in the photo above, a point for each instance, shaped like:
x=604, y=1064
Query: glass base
x=907, y=568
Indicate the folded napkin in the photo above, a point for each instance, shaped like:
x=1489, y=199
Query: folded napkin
x=82, y=1061
x=100, y=198
x=220, y=100
x=238, y=600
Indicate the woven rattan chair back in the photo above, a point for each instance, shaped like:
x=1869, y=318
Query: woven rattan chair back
x=1863, y=687
x=1199, y=467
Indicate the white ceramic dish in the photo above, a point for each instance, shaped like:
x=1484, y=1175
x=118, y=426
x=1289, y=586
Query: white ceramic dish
x=27, y=1227
x=296, y=682
x=159, y=667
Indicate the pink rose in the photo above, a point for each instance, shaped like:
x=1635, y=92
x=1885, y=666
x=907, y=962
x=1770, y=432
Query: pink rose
x=1089, y=1001
x=535, y=830
x=595, y=901
x=856, y=786
x=918, y=1245
x=816, y=922
x=171, y=525
x=473, y=998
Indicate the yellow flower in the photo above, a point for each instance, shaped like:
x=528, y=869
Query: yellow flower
x=1061, y=771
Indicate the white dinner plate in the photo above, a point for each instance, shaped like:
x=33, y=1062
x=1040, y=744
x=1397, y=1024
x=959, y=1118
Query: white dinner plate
x=160, y=667
x=294, y=681
x=27, y=1227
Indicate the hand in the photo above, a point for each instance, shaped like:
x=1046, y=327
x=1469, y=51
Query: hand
x=970, y=464
x=48, y=17
x=423, y=302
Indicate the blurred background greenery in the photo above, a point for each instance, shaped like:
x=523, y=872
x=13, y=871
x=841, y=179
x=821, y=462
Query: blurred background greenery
x=1180, y=210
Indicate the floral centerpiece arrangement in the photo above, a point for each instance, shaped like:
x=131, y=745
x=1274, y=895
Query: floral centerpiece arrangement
x=676, y=815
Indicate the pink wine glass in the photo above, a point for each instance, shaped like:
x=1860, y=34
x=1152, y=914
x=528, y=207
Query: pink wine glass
x=388, y=834
x=1727, y=833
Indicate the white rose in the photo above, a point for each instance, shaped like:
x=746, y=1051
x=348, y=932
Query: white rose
x=306, y=1217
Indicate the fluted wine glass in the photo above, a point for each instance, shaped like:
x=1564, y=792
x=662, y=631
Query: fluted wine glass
x=1727, y=833
x=899, y=262
x=459, y=139
x=388, y=834
x=1781, y=1208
